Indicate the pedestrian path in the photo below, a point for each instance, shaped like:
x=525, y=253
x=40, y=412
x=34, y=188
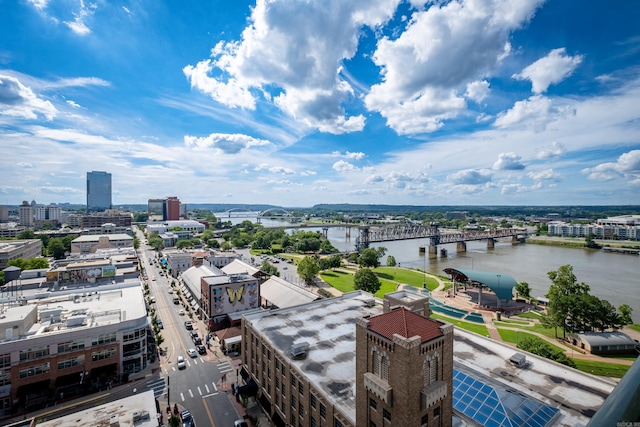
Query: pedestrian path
x=158, y=386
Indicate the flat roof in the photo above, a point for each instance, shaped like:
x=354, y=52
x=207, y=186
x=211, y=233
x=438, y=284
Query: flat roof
x=122, y=410
x=329, y=327
x=96, y=237
x=284, y=294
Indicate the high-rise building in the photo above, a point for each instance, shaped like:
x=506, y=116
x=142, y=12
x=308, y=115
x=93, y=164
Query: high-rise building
x=173, y=208
x=98, y=191
x=4, y=214
x=25, y=213
x=168, y=209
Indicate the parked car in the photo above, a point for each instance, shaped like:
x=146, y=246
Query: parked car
x=160, y=324
x=192, y=352
x=188, y=325
x=181, y=312
x=181, y=363
x=240, y=423
x=197, y=340
x=201, y=349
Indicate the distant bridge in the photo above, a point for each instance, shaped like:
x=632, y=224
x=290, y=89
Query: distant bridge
x=406, y=231
x=273, y=213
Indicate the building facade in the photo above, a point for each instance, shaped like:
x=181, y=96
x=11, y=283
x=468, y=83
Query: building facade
x=14, y=249
x=91, y=243
x=25, y=214
x=98, y=191
x=70, y=343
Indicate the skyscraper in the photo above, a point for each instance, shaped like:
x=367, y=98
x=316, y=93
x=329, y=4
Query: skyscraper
x=98, y=191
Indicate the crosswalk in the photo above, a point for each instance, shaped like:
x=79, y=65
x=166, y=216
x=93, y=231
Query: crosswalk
x=159, y=386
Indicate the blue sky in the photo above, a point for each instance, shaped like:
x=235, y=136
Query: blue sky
x=293, y=103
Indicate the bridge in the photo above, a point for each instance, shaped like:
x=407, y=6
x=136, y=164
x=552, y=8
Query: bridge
x=273, y=213
x=406, y=231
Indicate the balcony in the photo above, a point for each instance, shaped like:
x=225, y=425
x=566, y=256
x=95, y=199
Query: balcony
x=378, y=387
x=433, y=393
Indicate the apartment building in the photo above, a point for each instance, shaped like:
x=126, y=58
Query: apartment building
x=70, y=340
x=350, y=361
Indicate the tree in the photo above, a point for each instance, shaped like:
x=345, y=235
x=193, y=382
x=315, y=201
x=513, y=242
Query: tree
x=225, y=246
x=269, y=268
x=365, y=279
x=308, y=267
x=391, y=261
x=184, y=243
x=523, y=290
x=136, y=243
x=27, y=234
x=562, y=296
x=56, y=248
x=370, y=257
x=156, y=242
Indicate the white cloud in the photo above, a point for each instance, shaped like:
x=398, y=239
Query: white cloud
x=282, y=170
x=18, y=100
x=443, y=49
x=535, y=112
x=78, y=24
x=342, y=166
x=627, y=166
x=73, y=104
x=470, y=177
x=508, y=161
x=291, y=54
x=399, y=180
x=477, y=91
x=551, y=69
x=556, y=149
x=544, y=175
x=39, y=4
x=349, y=155
x=224, y=143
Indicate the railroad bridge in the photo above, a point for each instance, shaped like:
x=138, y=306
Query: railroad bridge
x=406, y=231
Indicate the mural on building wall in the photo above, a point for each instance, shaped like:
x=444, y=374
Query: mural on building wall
x=235, y=295
x=252, y=291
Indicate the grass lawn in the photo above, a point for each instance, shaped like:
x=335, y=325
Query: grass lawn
x=409, y=277
x=509, y=335
x=530, y=315
x=344, y=282
x=602, y=368
x=467, y=326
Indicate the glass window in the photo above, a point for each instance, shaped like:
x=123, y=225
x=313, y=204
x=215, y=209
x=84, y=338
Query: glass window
x=373, y=404
x=323, y=411
x=386, y=415
x=313, y=401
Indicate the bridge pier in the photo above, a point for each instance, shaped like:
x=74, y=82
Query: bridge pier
x=325, y=231
x=461, y=247
x=515, y=240
x=433, y=251
x=491, y=243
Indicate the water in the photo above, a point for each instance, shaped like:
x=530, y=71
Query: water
x=613, y=277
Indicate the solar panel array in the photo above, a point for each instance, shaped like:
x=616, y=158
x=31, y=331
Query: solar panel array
x=492, y=406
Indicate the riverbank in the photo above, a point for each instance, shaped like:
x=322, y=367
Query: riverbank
x=579, y=242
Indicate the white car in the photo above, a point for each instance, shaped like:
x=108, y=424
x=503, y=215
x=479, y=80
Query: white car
x=181, y=363
x=181, y=312
x=192, y=352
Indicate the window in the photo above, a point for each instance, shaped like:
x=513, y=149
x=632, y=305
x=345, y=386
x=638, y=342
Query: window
x=372, y=424
x=5, y=360
x=103, y=339
x=277, y=400
x=35, y=370
x=103, y=354
x=384, y=374
x=323, y=411
x=337, y=423
x=300, y=387
x=71, y=362
x=424, y=421
x=70, y=346
x=293, y=382
x=373, y=404
x=436, y=412
x=313, y=401
x=430, y=370
x=34, y=353
x=134, y=335
x=293, y=401
x=314, y=423
x=300, y=408
x=277, y=364
x=277, y=382
x=293, y=419
x=386, y=415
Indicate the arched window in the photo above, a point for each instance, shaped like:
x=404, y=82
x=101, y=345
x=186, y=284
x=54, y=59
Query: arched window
x=430, y=369
x=376, y=361
x=384, y=368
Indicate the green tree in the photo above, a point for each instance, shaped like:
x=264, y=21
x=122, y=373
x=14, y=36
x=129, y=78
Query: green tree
x=56, y=248
x=156, y=242
x=523, y=290
x=37, y=263
x=391, y=261
x=370, y=257
x=225, y=246
x=27, y=234
x=366, y=280
x=269, y=268
x=136, y=243
x=308, y=267
x=564, y=304
x=625, y=314
x=184, y=243
x=174, y=421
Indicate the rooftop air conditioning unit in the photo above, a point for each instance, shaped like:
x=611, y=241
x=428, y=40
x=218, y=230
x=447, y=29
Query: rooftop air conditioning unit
x=370, y=302
x=299, y=350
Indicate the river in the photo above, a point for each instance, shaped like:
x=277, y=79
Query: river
x=613, y=277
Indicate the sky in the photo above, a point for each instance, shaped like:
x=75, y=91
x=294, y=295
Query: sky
x=299, y=102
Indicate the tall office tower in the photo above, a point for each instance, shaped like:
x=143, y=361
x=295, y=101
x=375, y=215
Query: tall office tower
x=173, y=208
x=98, y=191
x=25, y=213
x=156, y=210
x=4, y=214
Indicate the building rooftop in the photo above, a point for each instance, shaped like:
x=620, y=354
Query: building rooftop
x=329, y=326
x=284, y=294
x=236, y=266
x=564, y=396
x=137, y=410
x=96, y=237
x=406, y=324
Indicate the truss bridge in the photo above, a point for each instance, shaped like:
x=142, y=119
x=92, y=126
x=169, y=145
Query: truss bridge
x=406, y=231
